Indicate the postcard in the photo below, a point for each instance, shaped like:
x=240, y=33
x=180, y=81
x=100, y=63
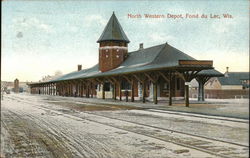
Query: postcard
x=121, y=79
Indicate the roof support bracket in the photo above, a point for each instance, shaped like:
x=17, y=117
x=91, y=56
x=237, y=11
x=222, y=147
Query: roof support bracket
x=153, y=77
x=166, y=78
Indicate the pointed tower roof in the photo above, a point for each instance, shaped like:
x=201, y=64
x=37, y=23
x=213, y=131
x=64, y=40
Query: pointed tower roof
x=113, y=31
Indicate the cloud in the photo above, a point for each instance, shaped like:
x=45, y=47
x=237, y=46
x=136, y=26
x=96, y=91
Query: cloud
x=19, y=35
x=90, y=19
x=224, y=26
x=237, y=61
x=160, y=37
x=32, y=23
x=73, y=29
x=153, y=22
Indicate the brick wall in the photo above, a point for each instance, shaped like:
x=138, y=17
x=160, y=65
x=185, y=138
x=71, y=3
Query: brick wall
x=111, y=58
x=111, y=55
x=222, y=94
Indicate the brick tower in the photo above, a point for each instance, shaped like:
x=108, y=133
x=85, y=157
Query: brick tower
x=113, y=47
x=16, y=86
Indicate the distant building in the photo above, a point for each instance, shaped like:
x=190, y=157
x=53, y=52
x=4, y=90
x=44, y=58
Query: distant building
x=232, y=80
x=9, y=86
x=16, y=86
x=232, y=85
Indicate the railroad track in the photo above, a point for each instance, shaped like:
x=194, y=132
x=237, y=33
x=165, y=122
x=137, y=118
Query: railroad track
x=201, y=146
x=194, y=146
x=160, y=110
x=165, y=111
x=167, y=129
x=198, y=115
x=170, y=130
x=172, y=113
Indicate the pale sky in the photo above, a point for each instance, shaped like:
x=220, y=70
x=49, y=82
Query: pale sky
x=41, y=37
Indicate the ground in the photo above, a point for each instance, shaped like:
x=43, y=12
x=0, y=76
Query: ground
x=54, y=126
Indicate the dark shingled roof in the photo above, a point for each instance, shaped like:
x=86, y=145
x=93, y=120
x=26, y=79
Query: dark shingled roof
x=156, y=57
x=234, y=78
x=113, y=31
x=211, y=73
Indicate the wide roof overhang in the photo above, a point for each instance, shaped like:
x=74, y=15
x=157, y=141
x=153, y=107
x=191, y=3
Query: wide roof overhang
x=184, y=65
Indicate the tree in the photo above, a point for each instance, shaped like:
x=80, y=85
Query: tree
x=58, y=73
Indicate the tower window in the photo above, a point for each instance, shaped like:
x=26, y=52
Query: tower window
x=117, y=56
x=117, y=50
x=107, y=56
x=107, y=50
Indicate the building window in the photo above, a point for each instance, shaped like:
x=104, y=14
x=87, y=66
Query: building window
x=165, y=86
x=116, y=43
x=125, y=85
x=107, y=86
x=117, y=56
x=117, y=50
x=149, y=86
x=107, y=56
x=107, y=50
x=178, y=83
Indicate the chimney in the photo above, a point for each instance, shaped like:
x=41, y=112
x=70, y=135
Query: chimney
x=79, y=67
x=141, y=46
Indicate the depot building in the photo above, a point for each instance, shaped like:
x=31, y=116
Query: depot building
x=161, y=72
